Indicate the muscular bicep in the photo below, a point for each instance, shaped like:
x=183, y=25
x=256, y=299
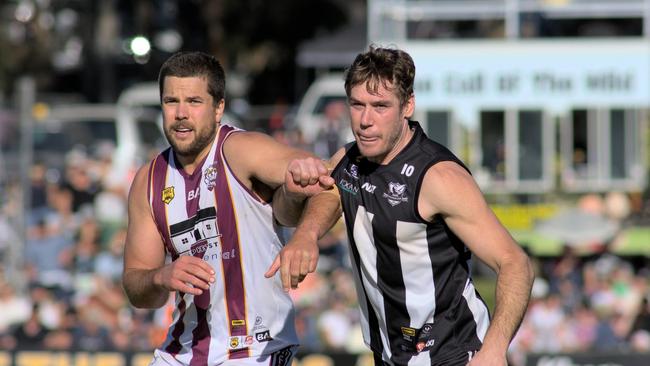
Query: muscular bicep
x=144, y=248
x=450, y=191
x=256, y=156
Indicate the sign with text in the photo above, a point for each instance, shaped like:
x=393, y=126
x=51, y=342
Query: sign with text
x=553, y=74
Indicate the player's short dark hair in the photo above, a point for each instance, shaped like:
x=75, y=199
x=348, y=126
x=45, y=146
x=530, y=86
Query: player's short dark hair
x=393, y=68
x=195, y=64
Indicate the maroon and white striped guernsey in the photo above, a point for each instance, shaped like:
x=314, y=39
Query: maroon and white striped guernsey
x=211, y=215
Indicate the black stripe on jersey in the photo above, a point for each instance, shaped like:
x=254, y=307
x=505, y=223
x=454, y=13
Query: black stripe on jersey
x=373, y=323
x=390, y=280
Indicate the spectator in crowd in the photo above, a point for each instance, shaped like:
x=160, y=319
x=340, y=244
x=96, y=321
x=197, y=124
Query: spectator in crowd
x=29, y=334
x=109, y=263
x=14, y=307
x=89, y=333
x=335, y=123
x=46, y=257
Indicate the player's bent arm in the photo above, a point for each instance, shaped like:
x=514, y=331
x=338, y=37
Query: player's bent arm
x=300, y=256
x=144, y=251
x=287, y=207
x=305, y=178
x=450, y=191
x=254, y=155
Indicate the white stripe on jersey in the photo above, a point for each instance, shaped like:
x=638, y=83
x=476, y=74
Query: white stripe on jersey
x=186, y=337
x=478, y=309
x=414, y=257
x=420, y=359
x=368, y=255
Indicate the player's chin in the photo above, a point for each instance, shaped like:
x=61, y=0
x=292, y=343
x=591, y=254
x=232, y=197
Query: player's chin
x=371, y=153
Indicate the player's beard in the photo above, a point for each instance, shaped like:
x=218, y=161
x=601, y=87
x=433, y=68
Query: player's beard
x=203, y=138
x=389, y=143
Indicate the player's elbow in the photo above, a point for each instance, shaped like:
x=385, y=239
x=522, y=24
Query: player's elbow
x=140, y=297
x=525, y=267
x=287, y=210
x=140, y=301
x=530, y=271
x=286, y=219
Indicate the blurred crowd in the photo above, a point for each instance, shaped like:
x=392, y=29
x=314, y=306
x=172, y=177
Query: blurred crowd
x=76, y=229
x=585, y=304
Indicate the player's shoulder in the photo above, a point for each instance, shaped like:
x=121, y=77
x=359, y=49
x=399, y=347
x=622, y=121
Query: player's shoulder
x=447, y=175
x=140, y=182
x=239, y=139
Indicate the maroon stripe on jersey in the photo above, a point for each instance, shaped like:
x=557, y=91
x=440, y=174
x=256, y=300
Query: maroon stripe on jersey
x=174, y=345
x=192, y=188
x=231, y=263
x=201, y=335
x=157, y=181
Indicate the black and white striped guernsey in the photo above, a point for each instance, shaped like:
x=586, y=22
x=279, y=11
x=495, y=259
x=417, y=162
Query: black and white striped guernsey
x=418, y=303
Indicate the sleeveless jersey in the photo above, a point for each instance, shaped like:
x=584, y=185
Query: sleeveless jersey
x=211, y=215
x=418, y=303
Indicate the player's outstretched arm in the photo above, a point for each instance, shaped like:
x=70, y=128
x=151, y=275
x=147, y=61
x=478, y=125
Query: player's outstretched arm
x=450, y=191
x=307, y=178
x=254, y=156
x=146, y=279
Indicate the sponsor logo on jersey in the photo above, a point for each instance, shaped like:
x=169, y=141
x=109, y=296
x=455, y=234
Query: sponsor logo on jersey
x=193, y=194
x=210, y=177
x=353, y=172
x=259, y=324
x=197, y=234
x=396, y=193
x=168, y=194
x=408, y=331
x=420, y=346
x=249, y=340
x=348, y=187
x=282, y=357
x=238, y=322
x=264, y=336
x=370, y=188
x=201, y=247
x=229, y=254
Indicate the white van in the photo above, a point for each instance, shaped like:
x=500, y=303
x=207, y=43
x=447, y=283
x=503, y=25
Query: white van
x=62, y=127
x=310, y=114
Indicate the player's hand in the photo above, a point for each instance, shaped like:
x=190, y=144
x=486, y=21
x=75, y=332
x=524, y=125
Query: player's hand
x=186, y=274
x=297, y=259
x=308, y=177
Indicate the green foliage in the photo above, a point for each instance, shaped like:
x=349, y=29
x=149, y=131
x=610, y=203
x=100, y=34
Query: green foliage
x=486, y=286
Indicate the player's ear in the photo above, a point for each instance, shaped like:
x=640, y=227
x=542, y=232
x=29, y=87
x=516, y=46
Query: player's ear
x=409, y=107
x=218, y=111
